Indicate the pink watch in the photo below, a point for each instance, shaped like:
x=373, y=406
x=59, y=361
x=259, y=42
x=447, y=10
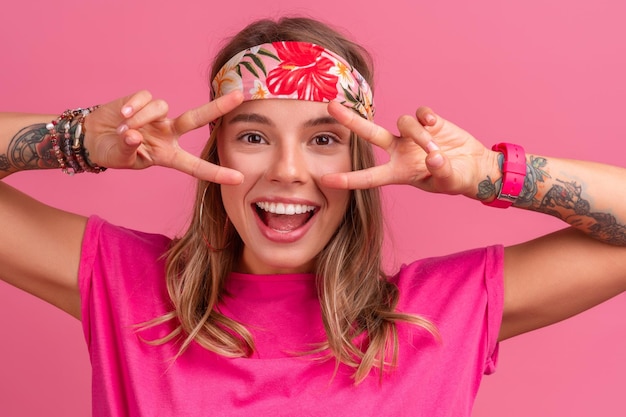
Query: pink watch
x=513, y=174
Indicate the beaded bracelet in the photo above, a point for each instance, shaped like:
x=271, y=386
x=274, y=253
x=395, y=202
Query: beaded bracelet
x=79, y=152
x=56, y=149
x=71, y=154
x=67, y=149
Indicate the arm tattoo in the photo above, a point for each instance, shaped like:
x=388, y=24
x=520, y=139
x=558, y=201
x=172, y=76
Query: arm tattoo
x=535, y=174
x=30, y=148
x=565, y=201
x=562, y=199
x=4, y=163
x=488, y=188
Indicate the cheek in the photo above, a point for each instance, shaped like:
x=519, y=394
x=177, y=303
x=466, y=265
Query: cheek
x=330, y=164
x=223, y=155
x=230, y=198
x=233, y=198
x=340, y=200
x=250, y=165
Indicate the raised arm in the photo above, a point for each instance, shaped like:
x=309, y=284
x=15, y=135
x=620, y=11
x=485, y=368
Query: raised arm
x=556, y=276
x=562, y=274
x=547, y=279
x=40, y=245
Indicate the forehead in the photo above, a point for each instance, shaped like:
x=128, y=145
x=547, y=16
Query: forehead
x=279, y=111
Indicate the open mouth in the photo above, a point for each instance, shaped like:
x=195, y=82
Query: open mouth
x=284, y=217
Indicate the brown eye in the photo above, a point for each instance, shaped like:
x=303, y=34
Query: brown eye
x=323, y=140
x=253, y=138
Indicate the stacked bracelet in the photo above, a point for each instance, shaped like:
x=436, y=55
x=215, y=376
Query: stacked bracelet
x=68, y=148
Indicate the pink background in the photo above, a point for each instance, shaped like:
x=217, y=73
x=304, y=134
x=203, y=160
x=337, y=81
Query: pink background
x=546, y=74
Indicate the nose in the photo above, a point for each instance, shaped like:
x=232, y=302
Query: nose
x=288, y=164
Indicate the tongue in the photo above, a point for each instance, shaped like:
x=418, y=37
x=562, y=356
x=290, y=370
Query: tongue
x=284, y=222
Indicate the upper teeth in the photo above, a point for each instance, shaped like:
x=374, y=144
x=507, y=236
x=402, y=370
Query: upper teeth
x=281, y=208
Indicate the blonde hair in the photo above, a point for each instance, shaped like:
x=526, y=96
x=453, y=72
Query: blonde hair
x=356, y=297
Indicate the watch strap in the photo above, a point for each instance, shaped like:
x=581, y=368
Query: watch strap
x=513, y=174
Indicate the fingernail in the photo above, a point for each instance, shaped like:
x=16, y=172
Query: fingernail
x=430, y=119
x=436, y=160
x=432, y=147
x=127, y=110
x=121, y=129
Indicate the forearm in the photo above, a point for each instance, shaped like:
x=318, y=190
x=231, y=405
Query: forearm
x=589, y=196
x=25, y=143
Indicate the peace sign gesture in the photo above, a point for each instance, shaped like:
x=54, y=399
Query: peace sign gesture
x=135, y=132
x=431, y=154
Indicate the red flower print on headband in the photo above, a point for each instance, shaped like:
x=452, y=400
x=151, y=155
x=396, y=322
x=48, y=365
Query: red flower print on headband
x=303, y=69
x=294, y=70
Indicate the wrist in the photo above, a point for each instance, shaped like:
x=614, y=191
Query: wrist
x=67, y=134
x=503, y=188
x=482, y=187
x=90, y=125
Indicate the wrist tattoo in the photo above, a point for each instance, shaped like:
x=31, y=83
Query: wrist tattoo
x=4, y=163
x=488, y=188
x=30, y=148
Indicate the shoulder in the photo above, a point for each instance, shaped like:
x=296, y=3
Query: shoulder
x=109, y=250
x=479, y=260
x=121, y=266
x=101, y=235
x=464, y=274
x=121, y=278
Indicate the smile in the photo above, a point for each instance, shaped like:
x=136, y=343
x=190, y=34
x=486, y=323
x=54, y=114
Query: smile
x=282, y=208
x=284, y=217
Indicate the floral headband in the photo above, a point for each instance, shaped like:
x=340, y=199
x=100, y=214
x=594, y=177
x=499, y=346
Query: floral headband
x=294, y=70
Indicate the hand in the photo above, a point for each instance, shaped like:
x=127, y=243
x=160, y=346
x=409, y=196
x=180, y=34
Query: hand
x=431, y=154
x=134, y=132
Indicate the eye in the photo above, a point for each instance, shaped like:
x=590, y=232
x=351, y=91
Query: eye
x=253, y=138
x=324, y=140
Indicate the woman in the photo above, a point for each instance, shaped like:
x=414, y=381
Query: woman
x=274, y=300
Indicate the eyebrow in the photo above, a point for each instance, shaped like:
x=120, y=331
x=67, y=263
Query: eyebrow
x=258, y=118
x=251, y=118
x=324, y=120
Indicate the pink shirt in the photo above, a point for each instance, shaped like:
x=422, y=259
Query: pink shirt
x=122, y=284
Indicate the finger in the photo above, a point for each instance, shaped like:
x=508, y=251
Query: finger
x=358, y=180
x=203, y=115
x=440, y=170
x=117, y=154
x=411, y=128
x=135, y=102
x=199, y=168
x=153, y=111
x=367, y=130
x=426, y=116
x=429, y=119
x=133, y=138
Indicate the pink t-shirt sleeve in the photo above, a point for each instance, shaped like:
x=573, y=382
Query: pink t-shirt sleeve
x=494, y=285
x=88, y=254
x=122, y=285
x=463, y=295
x=121, y=277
